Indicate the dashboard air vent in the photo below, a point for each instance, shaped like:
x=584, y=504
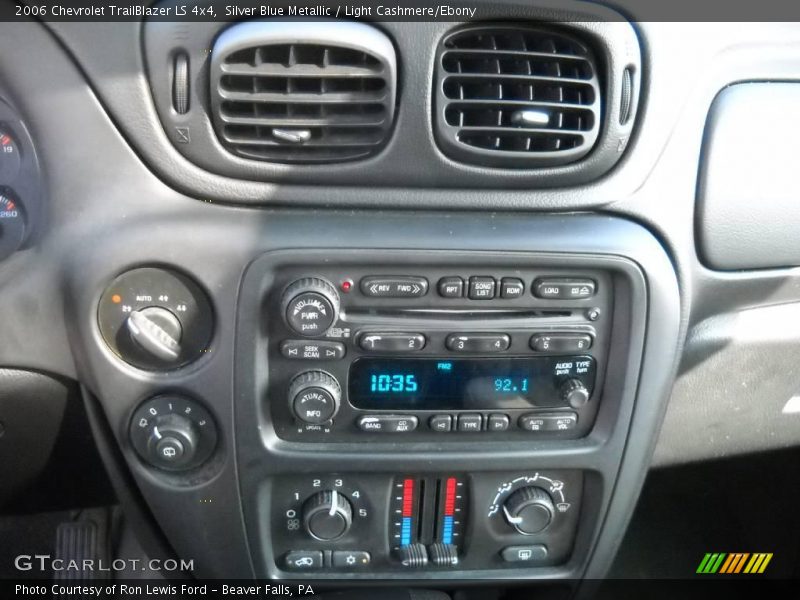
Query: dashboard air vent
x=515, y=96
x=303, y=92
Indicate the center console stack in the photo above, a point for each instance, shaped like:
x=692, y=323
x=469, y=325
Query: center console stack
x=415, y=407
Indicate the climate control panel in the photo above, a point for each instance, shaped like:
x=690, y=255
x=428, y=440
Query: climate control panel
x=367, y=523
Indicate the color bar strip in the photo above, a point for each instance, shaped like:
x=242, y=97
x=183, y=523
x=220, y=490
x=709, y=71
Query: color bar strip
x=447, y=530
x=450, y=497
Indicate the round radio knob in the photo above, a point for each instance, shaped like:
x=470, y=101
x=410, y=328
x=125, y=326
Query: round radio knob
x=529, y=510
x=574, y=393
x=310, y=306
x=327, y=515
x=314, y=397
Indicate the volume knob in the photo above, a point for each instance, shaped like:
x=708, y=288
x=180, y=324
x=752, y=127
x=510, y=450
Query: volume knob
x=310, y=306
x=314, y=397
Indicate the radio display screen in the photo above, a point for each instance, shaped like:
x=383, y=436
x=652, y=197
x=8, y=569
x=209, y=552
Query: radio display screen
x=464, y=383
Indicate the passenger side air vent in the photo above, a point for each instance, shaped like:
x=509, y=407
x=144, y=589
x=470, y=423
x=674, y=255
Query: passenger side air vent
x=515, y=96
x=303, y=92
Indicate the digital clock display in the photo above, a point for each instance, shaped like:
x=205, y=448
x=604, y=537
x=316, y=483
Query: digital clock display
x=463, y=384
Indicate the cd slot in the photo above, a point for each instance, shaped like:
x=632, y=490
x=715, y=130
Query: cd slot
x=455, y=314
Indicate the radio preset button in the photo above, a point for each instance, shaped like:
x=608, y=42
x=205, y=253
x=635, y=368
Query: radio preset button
x=388, y=423
x=482, y=288
x=441, y=423
x=392, y=342
x=380, y=286
x=549, y=422
x=451, y=287
x=497, y=422
x=469, y=422
x=563, y=288
x=511, y=287
x=303, y=350
x=478, y=342
x=560, y=342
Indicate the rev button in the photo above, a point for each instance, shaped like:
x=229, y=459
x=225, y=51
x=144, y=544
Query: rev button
x=390, y=286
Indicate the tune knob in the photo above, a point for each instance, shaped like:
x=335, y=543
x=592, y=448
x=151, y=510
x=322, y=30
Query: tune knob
x=310, y=306
x=327, y=515
x=574, y=393
x=314, y=397
x=529, y=510
x=157, y=331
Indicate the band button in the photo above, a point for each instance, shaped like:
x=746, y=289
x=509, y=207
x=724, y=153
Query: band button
x=387, y=423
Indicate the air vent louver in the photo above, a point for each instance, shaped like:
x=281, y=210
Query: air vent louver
x=307, y=92
x=511, y=96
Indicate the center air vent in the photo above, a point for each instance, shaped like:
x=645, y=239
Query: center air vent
x=303, y=92
x=511, y=96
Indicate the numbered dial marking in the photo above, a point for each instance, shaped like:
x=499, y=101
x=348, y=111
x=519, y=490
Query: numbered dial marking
x=12, y=224
x=10, y=160
x=173, y=433
x=156, y=318
x=529, y=503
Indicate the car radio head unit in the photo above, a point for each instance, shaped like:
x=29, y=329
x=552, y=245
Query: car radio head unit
x=510, y=346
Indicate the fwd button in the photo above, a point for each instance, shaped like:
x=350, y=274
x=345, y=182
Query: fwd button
x=390, y=286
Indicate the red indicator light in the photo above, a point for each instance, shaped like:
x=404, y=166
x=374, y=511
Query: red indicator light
x=347, y=285
x=450, y=496
x=408, y=497
x=5, y=140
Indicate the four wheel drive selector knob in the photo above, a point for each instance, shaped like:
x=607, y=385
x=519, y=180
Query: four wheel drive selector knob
x=310, y=306
x=157, y=331
x=327, y=515
x=314, y=397
x=529, y=510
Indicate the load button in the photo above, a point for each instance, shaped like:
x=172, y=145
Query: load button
x=561, y=288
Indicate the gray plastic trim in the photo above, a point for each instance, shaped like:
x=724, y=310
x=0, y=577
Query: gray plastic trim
x=747, y=215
